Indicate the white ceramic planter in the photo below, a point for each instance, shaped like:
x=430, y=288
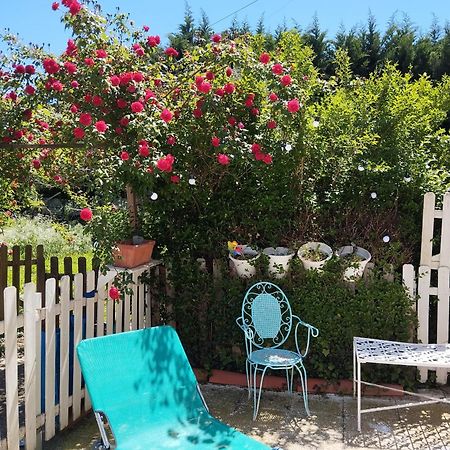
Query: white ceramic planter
x=307, y=263
x=355, y=270
x=279, y=260
x=245, y=268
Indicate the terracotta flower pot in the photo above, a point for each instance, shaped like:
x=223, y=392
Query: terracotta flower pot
x=129, y=255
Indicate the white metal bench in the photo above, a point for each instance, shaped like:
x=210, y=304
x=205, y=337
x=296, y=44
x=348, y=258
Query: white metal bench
x=377, y=351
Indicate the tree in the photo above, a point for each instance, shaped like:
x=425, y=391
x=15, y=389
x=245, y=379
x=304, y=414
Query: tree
x=371, y=45
x=204, y=30
x=185, y=37
x=316, y=38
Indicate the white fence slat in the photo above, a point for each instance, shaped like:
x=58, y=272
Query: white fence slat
x=118, y=319
x=90, y=308
x=134, y=303
x=31, y=301
x=78, y=329
x=445, y=233
x=101, y=311
x=429, y=200
x=38, y=346
x=443, y=315
x=141, y=310
x=423, y=310
x=408, y=277
x=11, y=375
x=50, y=349
x=109, y=313
x=126, y=312
x=64, y=325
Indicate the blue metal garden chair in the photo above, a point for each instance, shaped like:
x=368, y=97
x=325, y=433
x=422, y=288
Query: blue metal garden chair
x=143, y=383
x=267, y=321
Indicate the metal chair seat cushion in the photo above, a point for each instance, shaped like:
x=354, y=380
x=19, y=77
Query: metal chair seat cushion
x=274, y=357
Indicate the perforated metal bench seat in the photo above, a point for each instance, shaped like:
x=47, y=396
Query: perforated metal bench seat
x=401, y=353
x=377, y=351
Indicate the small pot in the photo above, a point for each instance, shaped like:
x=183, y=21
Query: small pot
x=356, y=269
x=245, y=268
x=129, y=255
x=279, y=260
x=323, y=248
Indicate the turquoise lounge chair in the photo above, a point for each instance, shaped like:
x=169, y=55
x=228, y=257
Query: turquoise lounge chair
x=143, y=383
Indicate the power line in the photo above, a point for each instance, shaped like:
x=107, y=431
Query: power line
x=235, y=12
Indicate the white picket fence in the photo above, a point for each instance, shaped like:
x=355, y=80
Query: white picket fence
x=433, y=278
x=65, y=320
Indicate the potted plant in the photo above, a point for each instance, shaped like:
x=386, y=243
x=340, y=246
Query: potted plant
x=314, y=255
x=355, y=259
x=279, y=260
x=243, y=258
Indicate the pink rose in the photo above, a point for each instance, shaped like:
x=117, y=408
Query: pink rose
x=293, y=105
x=166, y=115
x=223, y=159
x=101, y=126
x=86, y=214
x=264, y=58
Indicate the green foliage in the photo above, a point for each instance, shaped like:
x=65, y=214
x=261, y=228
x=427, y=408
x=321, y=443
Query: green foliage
x=58, y=239
x=205, y=308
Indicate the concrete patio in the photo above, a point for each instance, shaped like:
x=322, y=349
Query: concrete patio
x=282, y=422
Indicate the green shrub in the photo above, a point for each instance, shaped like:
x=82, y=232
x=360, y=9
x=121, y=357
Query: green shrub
x=58, y=239
x=205, y=308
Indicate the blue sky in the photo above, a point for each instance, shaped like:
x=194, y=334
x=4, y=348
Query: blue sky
x=41, y=25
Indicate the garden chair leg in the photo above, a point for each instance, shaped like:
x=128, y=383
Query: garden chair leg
x=304, y=381
x=257, y=401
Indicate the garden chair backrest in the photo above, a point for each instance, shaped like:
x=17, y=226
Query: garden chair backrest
x=147, y=368
x=266, y=315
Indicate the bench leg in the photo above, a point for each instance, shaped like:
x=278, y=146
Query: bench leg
x=358, y=382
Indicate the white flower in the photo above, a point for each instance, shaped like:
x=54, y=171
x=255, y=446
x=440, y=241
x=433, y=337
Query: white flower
x=361, y=168
x=192, y=181
x=373, y=195
x=154, y=196
x=288, y=147
x=386, y=239
x=407, y=179
x=315, y=123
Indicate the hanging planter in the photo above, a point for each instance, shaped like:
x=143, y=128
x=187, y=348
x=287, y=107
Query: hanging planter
x=279, y=260
x=314, y=255
x=243, y=258
x=356, y=259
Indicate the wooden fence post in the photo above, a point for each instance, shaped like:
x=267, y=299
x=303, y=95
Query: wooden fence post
x=3, y=277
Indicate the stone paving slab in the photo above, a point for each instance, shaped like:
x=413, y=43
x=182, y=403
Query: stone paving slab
x=332, y=426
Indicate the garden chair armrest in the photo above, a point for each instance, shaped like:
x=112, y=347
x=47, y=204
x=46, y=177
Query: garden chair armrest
x=312, y=331
x=248, y=332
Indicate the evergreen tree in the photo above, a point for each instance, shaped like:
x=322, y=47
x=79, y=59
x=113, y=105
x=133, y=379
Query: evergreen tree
x=204, y=30
x=371, y=45
x=185, y=37
x=316, y=38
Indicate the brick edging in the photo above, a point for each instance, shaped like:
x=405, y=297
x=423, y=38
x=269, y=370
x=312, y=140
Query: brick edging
x=315, y=385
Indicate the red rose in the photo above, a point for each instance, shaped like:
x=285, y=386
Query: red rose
x=273, y=97
x=75, y=8
x=137, y=107
x=70, y=67
x=175, y=179
x=114, y=80
x=78, y=133
x=223, y=159
x=165, y=163
x=71, y=49
x=55, y=6
x=249, y=100
x=229, y=71
x=121, y=103
x=85, y=119
x=271, y=124
x=220, y=92
x=89, y=61
x=124, y=156
x=114, y=293
x=267, y=159
x=138, y=77
x=171, y=140
x=20, y=68
x=146, y=28
x=229, y=88
x=197, y=113
x=166, y=115
x=50, y=66
x=277, y=69
x=286, y=80
x=215, y=141
x=138, y=49
x=210, y=75
x=232, y=121
x=264, y=58
x=36, y=163
x=30, y=69
x=171, y=52
x=57, y=86
x=216, y=38
x=256, y=148
x=153, y=41
x=101, y=53
x=293, y=105
x=124, y=121
x=254, y=111
x=144, y=151
x=29, y=90
x=204, y=87
x=74, y=84
x=86, y=214
x=101, y=126
x=97, y=100
x=74, y=109
x=58, y=179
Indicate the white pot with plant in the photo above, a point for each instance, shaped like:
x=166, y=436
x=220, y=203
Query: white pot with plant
x=355, y=259
x=279, y=260
x=314, y=255
x=243, y=258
